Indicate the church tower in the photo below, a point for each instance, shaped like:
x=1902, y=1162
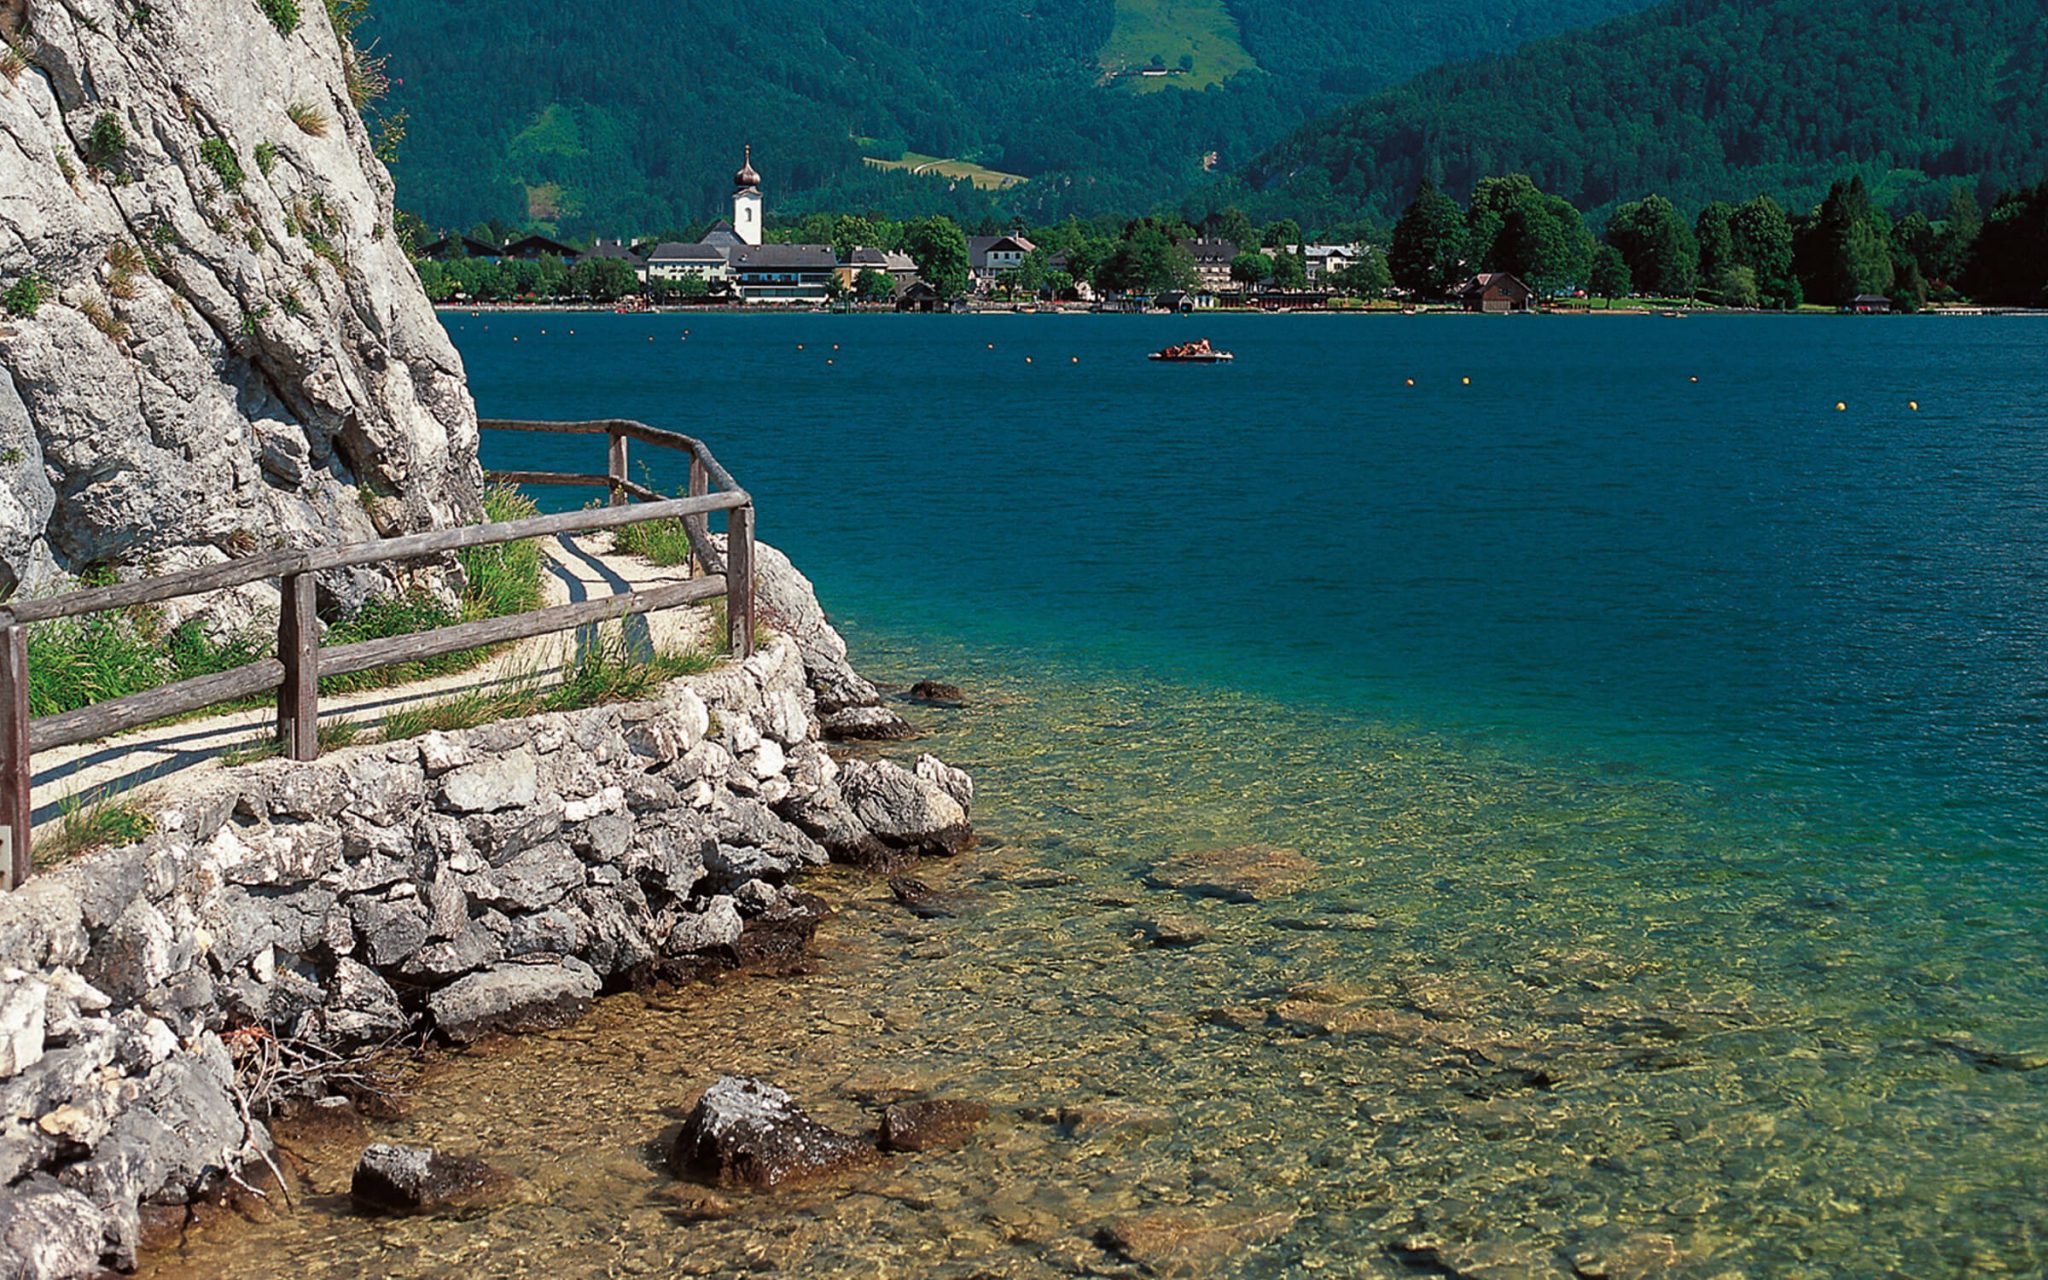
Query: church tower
x=746, y=201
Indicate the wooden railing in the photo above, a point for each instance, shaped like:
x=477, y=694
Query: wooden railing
x=301, y=660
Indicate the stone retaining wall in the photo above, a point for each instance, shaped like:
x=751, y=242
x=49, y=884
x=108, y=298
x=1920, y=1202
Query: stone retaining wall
x=459, y=884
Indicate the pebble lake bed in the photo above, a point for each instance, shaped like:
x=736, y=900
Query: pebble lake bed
x=1583, y=823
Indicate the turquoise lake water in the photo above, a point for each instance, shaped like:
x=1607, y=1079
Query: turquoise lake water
x=1673, y=746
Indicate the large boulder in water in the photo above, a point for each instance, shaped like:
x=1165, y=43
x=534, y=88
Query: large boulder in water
x=909, y=813
x=747, y=1133
x=395, y=1179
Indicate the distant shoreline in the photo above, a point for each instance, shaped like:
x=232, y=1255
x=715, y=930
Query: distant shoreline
x=571, y=308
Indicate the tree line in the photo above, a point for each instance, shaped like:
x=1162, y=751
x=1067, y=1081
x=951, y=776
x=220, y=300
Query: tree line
x=1756, y=254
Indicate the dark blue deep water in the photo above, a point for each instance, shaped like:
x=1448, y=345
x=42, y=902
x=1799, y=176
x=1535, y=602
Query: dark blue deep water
x=1668, y=736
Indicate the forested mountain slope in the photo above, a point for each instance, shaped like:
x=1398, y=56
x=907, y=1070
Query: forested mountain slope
x=582, y=117
x=1705, y=99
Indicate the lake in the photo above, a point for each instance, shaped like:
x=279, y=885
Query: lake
x=1672, y=742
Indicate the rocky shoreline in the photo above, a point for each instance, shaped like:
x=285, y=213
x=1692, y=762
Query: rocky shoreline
x=449, y=887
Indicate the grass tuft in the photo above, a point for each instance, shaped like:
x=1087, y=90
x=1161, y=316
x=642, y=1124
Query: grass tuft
x=75, y=662
x=332, y=735
x=604, y=672
x=220, y=157
x=283, y=14
x=309, y=118
x=94, y=821
x=662, y=542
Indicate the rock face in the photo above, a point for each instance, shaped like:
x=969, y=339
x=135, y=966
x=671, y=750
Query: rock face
x=389, y=890
x=233, y=352
x=848, y=706
x=396, y=1179
x=747, y=1133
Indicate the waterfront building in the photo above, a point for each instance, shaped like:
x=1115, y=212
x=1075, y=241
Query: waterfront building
x=1496, y=292
x=1212, y=262
x=619, y=249
x=673, y=261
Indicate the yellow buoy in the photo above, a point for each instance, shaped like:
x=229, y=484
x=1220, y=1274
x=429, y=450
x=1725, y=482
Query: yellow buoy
x=1077, y=359
x=799, y=346
x=991, y=346
x=1841, y=406
x=1467, y=381
x=835, y=346
x=543, y=333
x=1411, y=382
x=828, y=359
x=1914, y=405
x=1695, y=378
x=572, y=333
x=515, y=337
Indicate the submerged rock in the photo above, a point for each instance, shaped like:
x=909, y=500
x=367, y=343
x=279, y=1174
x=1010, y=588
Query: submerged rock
x=1188, y=1242
x=395, y=1179
x=1247, y=873
x=927, y=1124
x=1094, y=1117
x=1174, y=931
x=747, y=1133
x=923, y=901
x=937, y=694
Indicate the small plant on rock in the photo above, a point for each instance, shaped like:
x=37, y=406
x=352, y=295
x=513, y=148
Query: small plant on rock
x=103, y=319
x=106, y=142
x=220, y=157
x=266, y=157
x=25, y=296
x=309, y=118
x=283, y=14
x=13, y=59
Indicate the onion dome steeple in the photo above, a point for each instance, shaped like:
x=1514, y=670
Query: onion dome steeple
x=746, y=177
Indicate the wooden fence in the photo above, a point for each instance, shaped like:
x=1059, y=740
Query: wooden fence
x=301, y=660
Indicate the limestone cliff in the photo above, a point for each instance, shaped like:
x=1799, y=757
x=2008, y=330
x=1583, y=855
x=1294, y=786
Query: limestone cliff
x=231, y=351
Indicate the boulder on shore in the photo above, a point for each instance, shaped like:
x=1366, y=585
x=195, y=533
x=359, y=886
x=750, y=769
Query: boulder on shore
x=514, y=997
x=395, y=1179
x=747, y=1133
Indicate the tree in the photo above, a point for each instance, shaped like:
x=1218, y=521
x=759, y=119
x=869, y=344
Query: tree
x=1059, y=284
x=1029, y=277
x=1847, y=247
x=1147, y=261
x=1958, y=234
x=1545, y=243
x=1492, y=200
x=850, y=232
x=1248, y=269
x=1610, y=278
x=1289, y=272
x=2009, y=264
x=1663, y=255
x=1716, y=242
x=939, y=248
x=1736, y=287
x=1763, y=243
x=1427, y=252
x=874, y=286
x=1284, y=234
x=1232, y=225
x=1363, y=277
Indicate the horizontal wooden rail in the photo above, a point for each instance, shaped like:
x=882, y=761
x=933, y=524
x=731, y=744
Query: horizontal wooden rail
x=546, y=477
x=365, y=654
x=294, y=673
x=463, y=537
x=117, y=715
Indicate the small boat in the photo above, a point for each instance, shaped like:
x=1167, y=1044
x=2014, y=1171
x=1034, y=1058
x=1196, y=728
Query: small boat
x=1197, y=352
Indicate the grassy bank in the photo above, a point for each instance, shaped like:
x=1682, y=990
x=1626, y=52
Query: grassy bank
x=76, y=662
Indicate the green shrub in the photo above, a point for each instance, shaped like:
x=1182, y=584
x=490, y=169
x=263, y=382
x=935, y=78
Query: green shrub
x=25, y=296
x=220, y=157
x=283, y=14
x=106, y=142
x=75, y=662
x=266, y=157
x=91, y=821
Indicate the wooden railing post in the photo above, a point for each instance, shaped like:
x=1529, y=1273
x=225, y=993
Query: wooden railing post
x=17, y=812
x=739, y=581
x=298, y=648
x=617, y=471
x=700, y=484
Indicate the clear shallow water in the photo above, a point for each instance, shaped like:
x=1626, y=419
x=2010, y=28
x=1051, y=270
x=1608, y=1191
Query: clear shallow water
x=1672, y=752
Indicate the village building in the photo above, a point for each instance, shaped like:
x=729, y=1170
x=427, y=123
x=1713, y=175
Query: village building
x=619, y=249
x=1869, y=304
x=785, y=273
x=451, y=247
x=534, y=248
x=1212, y=263
x=919, y=297
x=988, y=257
x=1496, y=293
x=1321, y=261
x=687, y=261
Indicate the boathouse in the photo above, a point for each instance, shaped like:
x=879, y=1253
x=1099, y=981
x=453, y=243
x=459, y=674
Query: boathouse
x=1870, y=304
x=1496, y=293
